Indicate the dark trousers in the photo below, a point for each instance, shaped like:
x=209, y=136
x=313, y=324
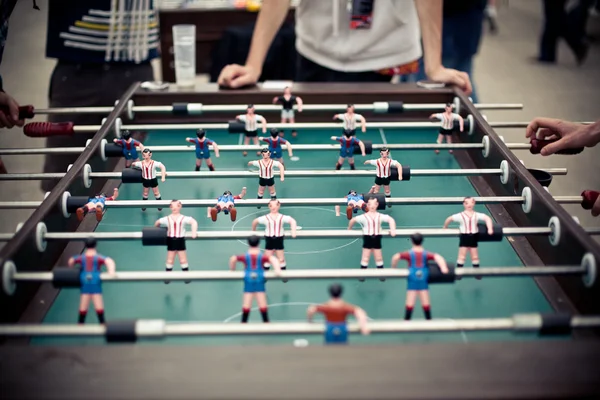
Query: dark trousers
x=308, y=71
x=86, y=85
x=557, y=25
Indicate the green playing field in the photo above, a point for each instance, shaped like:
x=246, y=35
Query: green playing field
x=221, y=301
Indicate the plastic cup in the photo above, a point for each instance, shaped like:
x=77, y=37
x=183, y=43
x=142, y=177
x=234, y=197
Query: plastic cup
x=184, y=48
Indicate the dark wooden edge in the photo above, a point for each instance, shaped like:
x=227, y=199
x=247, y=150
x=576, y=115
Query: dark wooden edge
x=311, y=93
x=574, y=242
x=21, y=250
x=542, y=369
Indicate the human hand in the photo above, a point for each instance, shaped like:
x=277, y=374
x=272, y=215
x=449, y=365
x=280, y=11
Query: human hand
x=365, y=330
x=235, y=76
x=596, y=208
x=570, y=135
x=452, y=77
x=162, y=179
x=11, y=118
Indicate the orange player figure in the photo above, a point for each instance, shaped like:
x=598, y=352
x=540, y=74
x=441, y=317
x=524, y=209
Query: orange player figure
x=91, y=285
x=254, y=261
x=202, y=149
x=371, y=227
x=287, y=101
x=384, y=171
x=418, y=274
x=354, y=202
x=274, y=230
x=447, y=119
x=468, y=221
x=175, y=224
x=149, y=181
x=226, y=203
x=265, y=173
x=97, y=204
x=130, y=148
x=335, y=312
x=349, y=119
x=252, y=120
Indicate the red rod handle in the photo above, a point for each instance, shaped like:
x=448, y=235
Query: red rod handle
x=25, y=112
x=589, y=198
x=45, y=129
x=538, y=144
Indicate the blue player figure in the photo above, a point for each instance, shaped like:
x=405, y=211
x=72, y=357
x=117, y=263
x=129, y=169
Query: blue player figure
x=130, y=148
x=418, y=274
x=226, y=203
x=254, y=261
x=91, y=285
x=336, y=312
x=96, y=204
x=275, y=142
x=348, y=142
x=354, y=201
x=202, y=149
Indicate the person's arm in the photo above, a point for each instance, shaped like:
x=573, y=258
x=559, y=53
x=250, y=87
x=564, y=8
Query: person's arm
x=137, y=165
x=118, y=142
x=288, y=146
x=570, y=135
x=160, y=222
x=448, y=220
x=111, y=266
x=194, y=227
x=391, y=222
x=299, y=103
x=278, y=165
x=115, y=194
x=10, y=118
x=355, y=220
x=163, y=172
x=363, y=124
x=232, y=262
x=361, y=317
x=488, y=222
x=191, y=140
x=256, y=222
x=269, y=20
x=215, y=148
x=461, y=122
x=371, y=162
x=73, y=261
x=362, y=148
x=441, y=262
x=396, y=259
x=310, y=312
x=293, y=224
x=430, y=20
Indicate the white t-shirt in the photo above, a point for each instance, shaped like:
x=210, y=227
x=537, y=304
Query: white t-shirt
x=468, y=224
x=349, y=121
x=148, y=169
x=323, y=35
x=175, y=225
x=447, y=121
x=251, y=122
x=371, y=224
x=384, y=167
x=274, y=224
x=265, y=169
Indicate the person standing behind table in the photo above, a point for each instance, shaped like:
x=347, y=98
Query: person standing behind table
x=91, y=69
x=332, y=49
x=557, y=25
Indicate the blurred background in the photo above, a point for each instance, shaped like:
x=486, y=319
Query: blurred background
x=544, y=54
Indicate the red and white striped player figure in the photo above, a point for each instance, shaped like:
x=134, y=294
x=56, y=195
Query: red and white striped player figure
x=274, y=230
x=468, y=221
x=225, y=203
x=203, y=150
x=96, y=204
x=354, y=202
x=265, y=174
x=287, y=101
x=349, y=119
x=384, y=171
x=251, y=120
x=149, y=180
x=175, y=224
x=447, y=119
x=371, y=226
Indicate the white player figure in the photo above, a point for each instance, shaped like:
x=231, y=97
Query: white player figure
x=350, y=118
x=252, y=120
x=447, y=119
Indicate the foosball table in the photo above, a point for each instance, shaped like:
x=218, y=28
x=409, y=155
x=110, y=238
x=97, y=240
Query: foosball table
x=523, y=323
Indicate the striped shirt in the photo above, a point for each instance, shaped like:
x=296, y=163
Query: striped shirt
x=384, y=166
x=148, y=169
x=349, y=121
x=274, y=224
x=371, y=222
x=265, y=169
x=468, y=223
x=447, y=120
x=251, y=121
x=175, y=225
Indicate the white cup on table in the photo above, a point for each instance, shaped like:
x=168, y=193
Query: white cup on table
x=184, y=49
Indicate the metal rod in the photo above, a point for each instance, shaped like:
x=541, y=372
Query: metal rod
x=301, y=202
x=309, y=274
x=234, y=147
x=288, y=174
x=265, y=107
x=160, y=328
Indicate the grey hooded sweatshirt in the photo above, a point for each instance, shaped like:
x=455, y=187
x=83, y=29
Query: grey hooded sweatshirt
x=323, y=35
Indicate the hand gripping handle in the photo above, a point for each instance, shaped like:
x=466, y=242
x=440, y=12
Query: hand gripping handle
x=589, y=198
x=46, y=129
x=25, y=112
x=538, y=144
